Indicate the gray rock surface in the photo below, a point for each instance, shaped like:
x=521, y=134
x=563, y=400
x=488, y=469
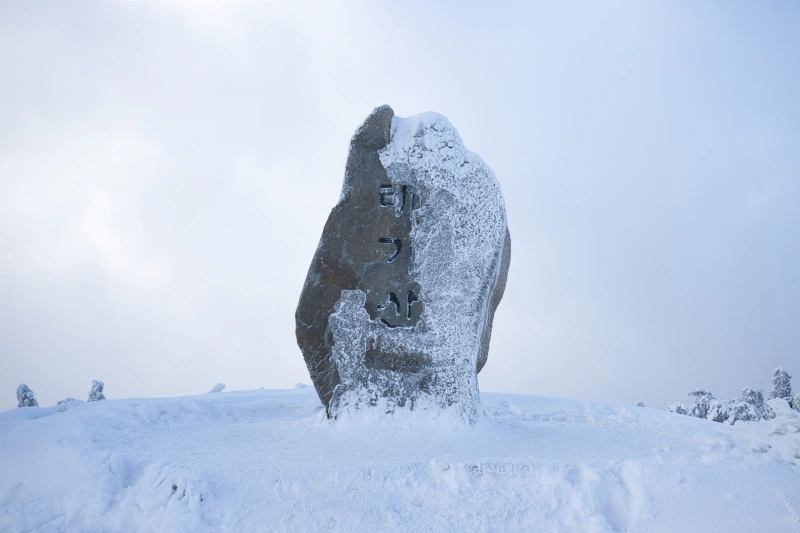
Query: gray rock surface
x=398, y=304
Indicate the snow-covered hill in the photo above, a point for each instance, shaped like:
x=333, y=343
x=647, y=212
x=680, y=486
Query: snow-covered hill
x=268, y=460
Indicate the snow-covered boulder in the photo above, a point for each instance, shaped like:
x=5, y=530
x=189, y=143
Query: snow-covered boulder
x=398, y=304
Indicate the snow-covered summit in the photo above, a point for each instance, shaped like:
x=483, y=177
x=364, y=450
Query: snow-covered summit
x=269, y=460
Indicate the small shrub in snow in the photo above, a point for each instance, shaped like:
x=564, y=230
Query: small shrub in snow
x=26, y=397
x=702, y=403
x=678, y=408
x=219, y=387
x=781, y=385
x=640, y=403
x=96, y=393
x=65, y=404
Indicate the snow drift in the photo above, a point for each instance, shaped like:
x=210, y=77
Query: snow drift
x=269, y=460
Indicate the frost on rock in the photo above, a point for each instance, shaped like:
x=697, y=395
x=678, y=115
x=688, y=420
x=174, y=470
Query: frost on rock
x=399, y=300
x=781, y=385
x=219, y=387
x=26, y=397
x=96, y=393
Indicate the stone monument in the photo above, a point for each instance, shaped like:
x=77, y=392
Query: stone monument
x=397, y=307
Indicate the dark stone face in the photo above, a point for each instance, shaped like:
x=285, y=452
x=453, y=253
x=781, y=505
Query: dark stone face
x=367, y=245
x=351, y=250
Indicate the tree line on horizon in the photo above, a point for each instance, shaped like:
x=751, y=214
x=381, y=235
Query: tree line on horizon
x=27, y=398
x=750, y=407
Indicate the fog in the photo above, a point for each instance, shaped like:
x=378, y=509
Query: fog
x=166, y=169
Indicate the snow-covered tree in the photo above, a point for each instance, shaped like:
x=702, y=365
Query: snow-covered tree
x=26, y=397
x=96, y=393
x=719, y=411
x=640, y=403
x=702, y=403
x=794, y=403
x=755, y=397
x=739, y=410
x=750, y=408
x=678, y=408
x=781, y=385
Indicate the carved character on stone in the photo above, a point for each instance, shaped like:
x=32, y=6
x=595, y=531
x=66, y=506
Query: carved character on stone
x=398, y=304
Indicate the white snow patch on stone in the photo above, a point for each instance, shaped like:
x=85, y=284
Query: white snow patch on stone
x=457, y=236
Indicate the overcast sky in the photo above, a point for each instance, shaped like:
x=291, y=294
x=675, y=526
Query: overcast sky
x=166, y=169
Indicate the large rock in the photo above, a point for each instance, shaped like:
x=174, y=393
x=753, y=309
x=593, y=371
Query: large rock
x=398, y=304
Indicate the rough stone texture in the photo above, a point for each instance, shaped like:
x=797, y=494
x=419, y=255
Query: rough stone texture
x=398, y=304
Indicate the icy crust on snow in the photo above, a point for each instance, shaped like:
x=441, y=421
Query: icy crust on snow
x=457, y=237
x=269, y=460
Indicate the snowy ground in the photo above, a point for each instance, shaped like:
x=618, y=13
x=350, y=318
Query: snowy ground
x=267, y=460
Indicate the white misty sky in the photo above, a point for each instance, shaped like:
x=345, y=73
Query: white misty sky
x=166, y=169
